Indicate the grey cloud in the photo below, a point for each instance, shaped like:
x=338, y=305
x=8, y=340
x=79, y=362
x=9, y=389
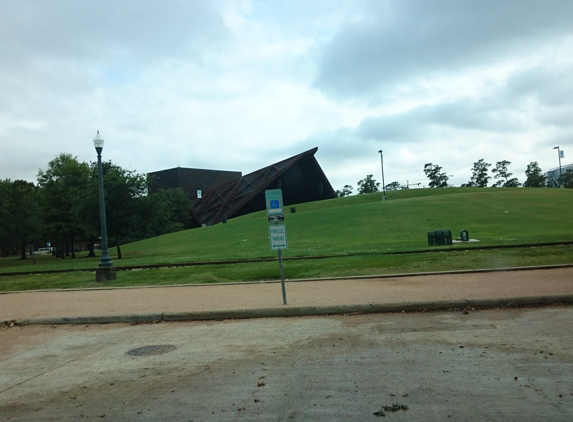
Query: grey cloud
x=401, y=40
x=550, y=87
x=57, y=53
x=339, y=145
x=417, y=124
x=500, y=112
x=138, y=31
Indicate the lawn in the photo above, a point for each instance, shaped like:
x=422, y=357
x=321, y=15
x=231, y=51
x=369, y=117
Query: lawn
x=358, y=230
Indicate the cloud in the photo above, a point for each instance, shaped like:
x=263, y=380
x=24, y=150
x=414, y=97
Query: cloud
x=240, y=84
x=398, y=42
x=107, y=29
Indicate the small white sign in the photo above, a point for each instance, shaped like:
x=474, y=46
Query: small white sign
x=277, y=218
x=562, y=154
x=199, y=194
x=277, y=234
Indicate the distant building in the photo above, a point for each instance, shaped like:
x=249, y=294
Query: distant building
x=552, y=176
x=227, y=194
x=190, y=180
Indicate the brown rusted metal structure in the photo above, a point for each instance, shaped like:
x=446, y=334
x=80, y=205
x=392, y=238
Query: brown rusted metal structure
x=300, y=178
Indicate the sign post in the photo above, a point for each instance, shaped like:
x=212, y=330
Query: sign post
x=277, y=233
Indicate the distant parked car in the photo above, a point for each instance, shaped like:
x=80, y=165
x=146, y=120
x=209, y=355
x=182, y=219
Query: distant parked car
x=44, y=251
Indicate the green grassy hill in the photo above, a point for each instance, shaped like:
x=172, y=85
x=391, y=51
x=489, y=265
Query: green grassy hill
x=359, y=230
x=364, y=223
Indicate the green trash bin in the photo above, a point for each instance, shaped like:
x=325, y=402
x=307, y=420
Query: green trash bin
x=431, y=237
x=447, y=237
x=440, y=237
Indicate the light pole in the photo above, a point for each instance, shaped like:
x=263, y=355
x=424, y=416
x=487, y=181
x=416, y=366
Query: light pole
x=560, y=172
x=383, y=185
x=105, y=270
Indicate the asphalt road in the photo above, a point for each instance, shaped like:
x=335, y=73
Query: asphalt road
x=506, y=364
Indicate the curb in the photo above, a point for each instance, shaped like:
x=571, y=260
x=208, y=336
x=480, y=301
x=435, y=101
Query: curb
x=304, y=311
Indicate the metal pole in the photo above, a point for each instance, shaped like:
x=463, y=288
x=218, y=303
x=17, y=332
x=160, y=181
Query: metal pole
x=105, y=260
x=383, y=184
x=560, y=172
x=282, y=276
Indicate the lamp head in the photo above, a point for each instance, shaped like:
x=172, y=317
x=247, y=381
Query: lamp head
x=98, y=141
x=380, y=151
x=557, y=147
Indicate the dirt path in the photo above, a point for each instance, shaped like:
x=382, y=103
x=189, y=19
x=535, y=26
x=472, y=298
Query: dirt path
x=202, y=298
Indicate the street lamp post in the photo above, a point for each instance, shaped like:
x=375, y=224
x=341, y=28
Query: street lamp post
x=560, y=172
x=383, y=185
x=105, y=270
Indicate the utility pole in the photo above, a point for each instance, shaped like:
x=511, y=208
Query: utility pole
x=383, y=184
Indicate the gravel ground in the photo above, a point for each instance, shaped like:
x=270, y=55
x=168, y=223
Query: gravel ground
x=212, y=298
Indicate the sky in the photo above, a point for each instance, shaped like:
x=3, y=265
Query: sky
x=240, y=84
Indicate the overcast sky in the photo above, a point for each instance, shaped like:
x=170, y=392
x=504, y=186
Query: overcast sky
x=238, y=85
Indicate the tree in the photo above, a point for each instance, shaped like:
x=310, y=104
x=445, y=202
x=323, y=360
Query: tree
x=368, y=185
x=535, y=177
x=19, y=214
x=394, y=186
x=63, y=189
x=26, y=217
x=567, y=179
x=437, y=178
x=124, y=190
x=480, y=175
x=501, y=171
x=346, y=191
x=167, y=211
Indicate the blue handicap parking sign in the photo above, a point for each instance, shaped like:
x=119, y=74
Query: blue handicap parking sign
x=274, y=201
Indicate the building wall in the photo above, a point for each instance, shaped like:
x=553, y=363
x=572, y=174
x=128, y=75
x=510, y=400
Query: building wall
x=190, y=180
x=553, y=174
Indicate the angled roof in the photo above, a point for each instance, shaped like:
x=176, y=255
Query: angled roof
x=300, y=178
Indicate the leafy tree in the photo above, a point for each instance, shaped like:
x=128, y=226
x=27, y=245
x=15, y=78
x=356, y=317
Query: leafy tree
x=501, y=171
x=438, y=179
x=535, y=177
x=368, y=185
x=124, y=190
x=168, y=211
x=568, y=178
x=178, y=207
x=512, y=183
x=20, y=215
x=63, y=189
x=480, y=175
x=5, y=208
x=394, y=186
x=26, y=217
x=346, y=191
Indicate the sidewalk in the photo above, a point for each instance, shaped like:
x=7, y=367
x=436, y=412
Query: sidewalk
x=256, y=300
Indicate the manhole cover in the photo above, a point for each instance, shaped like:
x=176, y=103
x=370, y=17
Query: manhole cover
x=151, y=350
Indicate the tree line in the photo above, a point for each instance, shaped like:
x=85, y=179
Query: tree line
x=62, y=208
x=481, y=175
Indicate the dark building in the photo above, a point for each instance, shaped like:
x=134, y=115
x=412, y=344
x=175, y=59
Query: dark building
x=190, y=180
x=224, y=196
